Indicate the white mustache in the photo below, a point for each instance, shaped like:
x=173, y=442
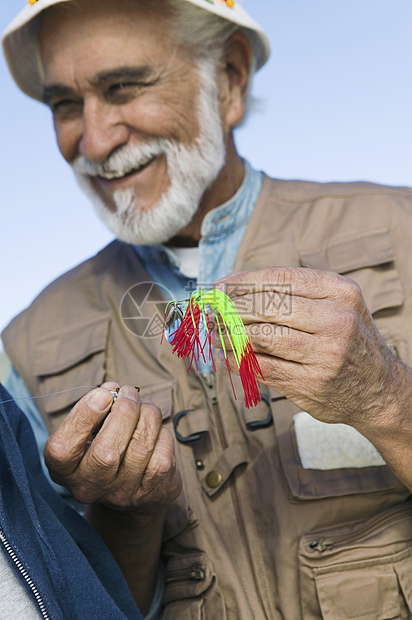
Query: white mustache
x=123, y=161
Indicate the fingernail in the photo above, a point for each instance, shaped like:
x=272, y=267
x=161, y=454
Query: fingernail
x=130, y=392
x=100, y=400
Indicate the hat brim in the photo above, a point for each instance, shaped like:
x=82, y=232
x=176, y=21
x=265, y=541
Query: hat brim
x=20, y=41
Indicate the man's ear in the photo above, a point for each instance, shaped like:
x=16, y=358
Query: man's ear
x=237, y=62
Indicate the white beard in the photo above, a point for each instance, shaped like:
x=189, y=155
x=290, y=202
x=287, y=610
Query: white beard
x=191, y=171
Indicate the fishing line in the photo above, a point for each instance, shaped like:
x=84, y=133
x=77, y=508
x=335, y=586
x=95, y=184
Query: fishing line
x=79, y=387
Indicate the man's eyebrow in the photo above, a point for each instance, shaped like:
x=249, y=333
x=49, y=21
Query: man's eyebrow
x=124, y=73
x=55, y=90
x=121, y=73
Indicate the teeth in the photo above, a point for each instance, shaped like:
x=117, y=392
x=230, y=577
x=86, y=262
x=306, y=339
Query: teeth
x=111, y=174
x=114, y=175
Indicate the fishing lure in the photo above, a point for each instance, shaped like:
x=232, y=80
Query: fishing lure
x=192, y=336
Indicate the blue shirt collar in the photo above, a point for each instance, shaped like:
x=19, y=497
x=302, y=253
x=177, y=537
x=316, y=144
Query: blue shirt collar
x=232, y=214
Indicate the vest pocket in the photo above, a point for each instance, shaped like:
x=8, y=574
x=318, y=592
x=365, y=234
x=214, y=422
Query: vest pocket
x=162, y=395
x=312, y=484
x=360, y=571
x=75, y=359
x=369, y=259
x=191, y=590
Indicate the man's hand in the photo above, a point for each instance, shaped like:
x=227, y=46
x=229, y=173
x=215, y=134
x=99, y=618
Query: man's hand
x=128, y=463
x=121, y=461
x=317, y=344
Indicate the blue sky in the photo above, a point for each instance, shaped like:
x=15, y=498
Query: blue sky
x=335, y=104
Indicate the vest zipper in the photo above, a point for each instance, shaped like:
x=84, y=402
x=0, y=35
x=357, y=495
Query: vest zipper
x=210, y=381
x=25, y=575
x=323, y=544
x=195, y=572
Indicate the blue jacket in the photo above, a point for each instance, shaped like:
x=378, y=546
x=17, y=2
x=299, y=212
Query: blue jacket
x=70, y=567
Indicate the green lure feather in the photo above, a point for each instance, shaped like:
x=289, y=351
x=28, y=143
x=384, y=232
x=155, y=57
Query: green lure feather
x=193, y=335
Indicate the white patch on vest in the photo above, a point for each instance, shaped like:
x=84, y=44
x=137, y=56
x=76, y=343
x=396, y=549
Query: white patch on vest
x=332, y=446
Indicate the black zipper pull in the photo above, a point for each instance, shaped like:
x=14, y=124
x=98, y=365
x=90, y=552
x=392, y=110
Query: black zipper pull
x=195, y=572
x=321, y=545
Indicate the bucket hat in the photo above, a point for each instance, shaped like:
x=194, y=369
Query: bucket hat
x=20, y=39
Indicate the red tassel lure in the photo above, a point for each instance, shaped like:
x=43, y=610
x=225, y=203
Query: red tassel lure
x=193, y=336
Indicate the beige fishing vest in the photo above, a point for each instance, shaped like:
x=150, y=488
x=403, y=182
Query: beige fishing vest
x=268, y=525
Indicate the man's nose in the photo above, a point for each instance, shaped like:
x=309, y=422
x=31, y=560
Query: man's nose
x=103, y=131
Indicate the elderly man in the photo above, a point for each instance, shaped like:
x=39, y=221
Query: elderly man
x=279, y=515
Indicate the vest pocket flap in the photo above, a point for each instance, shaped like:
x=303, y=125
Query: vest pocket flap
x=368, y=250
x=310, y=483
x=59, y=352
x=57, y=399
x=359, y=594
x=161, y=395
x=188, y=577
x=69, y=364
x=403, y=569
x=216, y=476
x=369, y=260
x=355, y=571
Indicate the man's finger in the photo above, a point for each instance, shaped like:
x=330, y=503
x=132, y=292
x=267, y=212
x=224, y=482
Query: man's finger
x=293, y=311
x=161, y=482
x=65, y=448
x=300, y=281
x=148, y=472
x=144, y=439
x=106, y=452
x=285, y=343
x=281, y=374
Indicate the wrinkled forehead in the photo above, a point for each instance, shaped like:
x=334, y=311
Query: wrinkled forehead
x=20, y=38
x=78, y=43
x=87, y=26
x=33, y=40
x=85, y=17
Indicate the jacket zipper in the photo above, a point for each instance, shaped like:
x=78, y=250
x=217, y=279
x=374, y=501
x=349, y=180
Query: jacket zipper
x=210, y=381
x=25, y=575
x=195, y=572
x=328, y=543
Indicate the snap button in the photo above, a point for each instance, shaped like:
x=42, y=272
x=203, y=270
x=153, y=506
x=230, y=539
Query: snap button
x=200, y=464
x=213, y=479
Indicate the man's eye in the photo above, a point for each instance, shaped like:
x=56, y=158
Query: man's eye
x=121, y=86
x=122, y=92
x=63, y=105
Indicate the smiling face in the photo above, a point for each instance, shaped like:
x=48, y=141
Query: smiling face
x=140, y=123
